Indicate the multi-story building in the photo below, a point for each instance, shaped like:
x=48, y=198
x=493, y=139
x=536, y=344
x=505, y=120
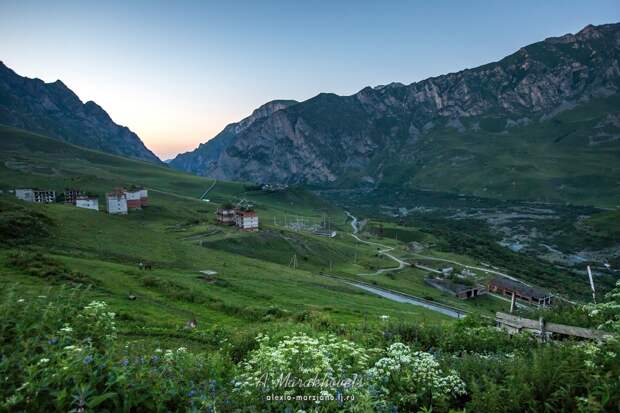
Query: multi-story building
x=134, y=199
x=247, y=220
x=117, y=202
x=40, y=196
x=226, y=216
x=71, y=195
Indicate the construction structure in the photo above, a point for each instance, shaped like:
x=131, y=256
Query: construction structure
x=39, y=196
x=117, y=202
x=456, y=289
x=226, y=215
x=322, y=232
x=71, y=195
x=518, y=290
x=246, y=220
x=134, y=198
x=144, y=197
x=87, y=202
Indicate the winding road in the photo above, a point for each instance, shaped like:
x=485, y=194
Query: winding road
x=353, y=222
x=385, y=249
x=401, y=264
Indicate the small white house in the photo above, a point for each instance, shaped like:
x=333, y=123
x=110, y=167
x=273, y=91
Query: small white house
x=117, y=203
x=247, y=220
x=87, y=202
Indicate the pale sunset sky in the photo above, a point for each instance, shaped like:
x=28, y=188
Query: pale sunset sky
x=176, y=72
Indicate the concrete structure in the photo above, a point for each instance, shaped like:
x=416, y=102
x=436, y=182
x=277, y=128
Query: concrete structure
x=247, y=220
x=71, y=195
x=25, y=194
x=134, y=199
x=226, y=216
x=447, y=271
x=458, y=290
x=325, y=233
x=87, y=202
x=40, y=196
x=117, y=202
x=533, y=295
x=144, y=197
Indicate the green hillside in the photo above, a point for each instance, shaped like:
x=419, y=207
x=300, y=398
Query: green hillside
x=572, y=157
x=178, y=235
x=83, y=327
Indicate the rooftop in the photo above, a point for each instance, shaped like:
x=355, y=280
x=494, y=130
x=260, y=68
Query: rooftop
x=523, y=289
x=452, y=286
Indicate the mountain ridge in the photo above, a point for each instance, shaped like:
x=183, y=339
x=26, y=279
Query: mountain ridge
x=55, y=110
x=332, y=140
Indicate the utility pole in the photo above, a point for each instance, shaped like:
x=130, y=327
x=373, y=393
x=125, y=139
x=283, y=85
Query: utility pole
x=512, y=302
x=592, y=284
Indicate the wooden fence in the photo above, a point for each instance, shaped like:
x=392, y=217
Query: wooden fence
x=514, y=324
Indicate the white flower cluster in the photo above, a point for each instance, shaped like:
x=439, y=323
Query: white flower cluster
x=284, y=366
x=97, y=311
x=293, y=362
x=418, y=372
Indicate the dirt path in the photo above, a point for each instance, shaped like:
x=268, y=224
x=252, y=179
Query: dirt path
x=385, y=249
x=209, y=189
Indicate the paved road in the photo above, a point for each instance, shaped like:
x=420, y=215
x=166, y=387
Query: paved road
x=384, y=251
x=402, y=298
x=399, y=297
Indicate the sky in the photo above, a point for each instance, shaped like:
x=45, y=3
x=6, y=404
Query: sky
x=177, y=72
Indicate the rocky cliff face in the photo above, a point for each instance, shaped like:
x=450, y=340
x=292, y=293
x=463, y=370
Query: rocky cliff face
x=52, y=109
x=203, y=158
x=380, y=132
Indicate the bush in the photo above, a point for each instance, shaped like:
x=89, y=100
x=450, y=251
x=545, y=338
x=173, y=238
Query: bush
x=59, y=354
x=42, y=266
x=20, y=226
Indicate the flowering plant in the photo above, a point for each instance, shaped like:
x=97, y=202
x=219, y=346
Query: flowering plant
x=409, y=380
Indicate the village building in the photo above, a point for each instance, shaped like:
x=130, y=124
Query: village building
x=40, y=196
x=25, y=195
x=458, y=290
x=226, y=216
x=71, y=195
x=117, y=202
x=87, y=202
x=144, y=197
x=134, y=199
x=247, y=220
x=447, y=271
x=506, y=286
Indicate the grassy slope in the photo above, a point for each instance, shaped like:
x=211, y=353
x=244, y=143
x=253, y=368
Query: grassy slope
x=548, y=161
x=252, y=286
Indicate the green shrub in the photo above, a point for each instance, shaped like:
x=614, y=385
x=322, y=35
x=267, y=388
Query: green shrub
x=20, y=226
x=43, y=266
